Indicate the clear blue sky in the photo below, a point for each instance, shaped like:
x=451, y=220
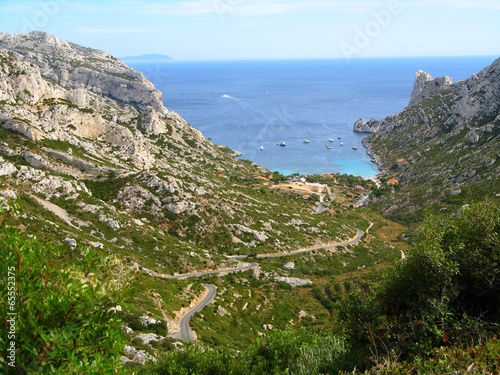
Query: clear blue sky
x=265, y=29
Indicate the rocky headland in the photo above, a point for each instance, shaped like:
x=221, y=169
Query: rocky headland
x=444, y=143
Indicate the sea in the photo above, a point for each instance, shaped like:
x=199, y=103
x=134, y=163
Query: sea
x=253, y=106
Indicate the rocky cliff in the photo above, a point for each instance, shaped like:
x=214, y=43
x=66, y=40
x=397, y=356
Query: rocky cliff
x=444, y=147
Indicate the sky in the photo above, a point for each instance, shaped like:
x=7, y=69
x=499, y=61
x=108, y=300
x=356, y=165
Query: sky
x=265, y=29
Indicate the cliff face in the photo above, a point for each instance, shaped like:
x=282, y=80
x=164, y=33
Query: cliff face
x=445, y=145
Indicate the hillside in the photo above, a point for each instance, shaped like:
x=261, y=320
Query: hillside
x=443, y=149
x=91, y=158
x=79, y=126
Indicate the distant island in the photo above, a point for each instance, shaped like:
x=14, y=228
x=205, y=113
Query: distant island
x=149, y=58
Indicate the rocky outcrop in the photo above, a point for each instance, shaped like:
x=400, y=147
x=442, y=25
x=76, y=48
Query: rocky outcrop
x=373, y=125
x=81, y=71
x=425, y=86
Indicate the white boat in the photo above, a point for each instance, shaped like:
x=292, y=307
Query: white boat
x=328, y=147
x=330, y=140
x=355, y=147
x=282, y=144
x=309, y=130
x=305, y=141
x=261, y=147
x=341, y=143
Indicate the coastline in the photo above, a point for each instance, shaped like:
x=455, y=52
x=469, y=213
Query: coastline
x=375, y=158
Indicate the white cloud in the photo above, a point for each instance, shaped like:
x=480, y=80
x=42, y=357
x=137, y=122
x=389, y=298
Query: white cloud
x=252, y=8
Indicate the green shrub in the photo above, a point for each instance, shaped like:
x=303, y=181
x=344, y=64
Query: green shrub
x=193, y=359
x=56, y=318
x=444, y=293
x=302, y=352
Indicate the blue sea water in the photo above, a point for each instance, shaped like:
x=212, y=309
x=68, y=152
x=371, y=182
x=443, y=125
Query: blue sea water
x=249, y=104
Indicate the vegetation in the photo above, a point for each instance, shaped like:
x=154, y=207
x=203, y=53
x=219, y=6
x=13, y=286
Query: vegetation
x=443, y=294
x=54, y=316
x=301, y=352
x=397, y=302
x=435, y=312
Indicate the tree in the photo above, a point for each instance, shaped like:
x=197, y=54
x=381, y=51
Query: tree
x=57, y=318
x=447, y=289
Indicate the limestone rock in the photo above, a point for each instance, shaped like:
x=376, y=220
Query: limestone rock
x=293, y=281
x=148, y=321
x=35, y=160
x=71, y=242
x=425, y=86
x=361, y=126
x=6, y=168
x=146, y=338
x=134, y=355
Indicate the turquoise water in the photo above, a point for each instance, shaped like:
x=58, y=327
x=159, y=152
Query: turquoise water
x=249, y=104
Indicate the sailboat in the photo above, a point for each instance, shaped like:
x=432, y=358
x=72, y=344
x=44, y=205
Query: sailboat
x=309, y=130
x=355, y=147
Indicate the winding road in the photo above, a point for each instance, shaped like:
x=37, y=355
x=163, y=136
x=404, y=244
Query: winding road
x=185, y=332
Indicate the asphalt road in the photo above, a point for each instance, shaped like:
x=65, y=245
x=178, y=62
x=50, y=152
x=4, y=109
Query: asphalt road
x=185, y=332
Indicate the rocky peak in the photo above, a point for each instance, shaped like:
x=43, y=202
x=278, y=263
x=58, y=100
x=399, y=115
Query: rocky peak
x=425, y=85
x=74, y=67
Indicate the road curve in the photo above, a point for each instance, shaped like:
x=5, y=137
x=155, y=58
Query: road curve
x=351, y=241
x=185, y=332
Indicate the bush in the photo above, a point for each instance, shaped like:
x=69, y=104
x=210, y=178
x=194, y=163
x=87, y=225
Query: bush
x=194, y=359
x=60, y=319
x=304, y=352
x=446, y=291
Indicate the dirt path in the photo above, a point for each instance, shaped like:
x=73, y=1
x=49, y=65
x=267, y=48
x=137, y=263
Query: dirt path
x=180, y=325
x=58, y=211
